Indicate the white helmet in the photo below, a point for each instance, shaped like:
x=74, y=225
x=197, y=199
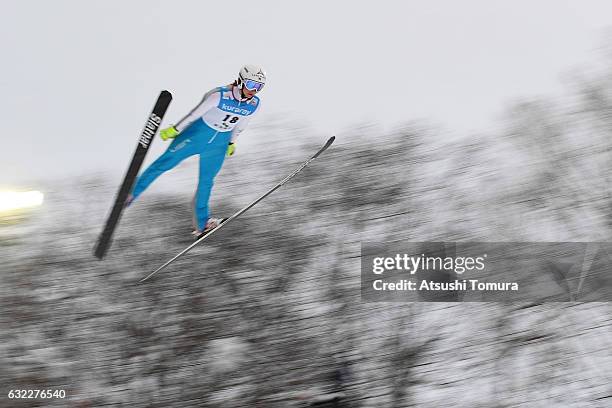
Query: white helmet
x=252, y=77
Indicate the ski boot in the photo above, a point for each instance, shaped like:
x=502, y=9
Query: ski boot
x=211, y=224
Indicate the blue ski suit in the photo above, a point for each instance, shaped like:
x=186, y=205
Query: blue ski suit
x=206, y=130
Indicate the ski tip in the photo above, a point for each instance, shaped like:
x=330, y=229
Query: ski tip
x=324, y=148
x=165, y=94
x=329, y=142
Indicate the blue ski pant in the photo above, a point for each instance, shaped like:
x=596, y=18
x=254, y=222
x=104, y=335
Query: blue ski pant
x=200, y=139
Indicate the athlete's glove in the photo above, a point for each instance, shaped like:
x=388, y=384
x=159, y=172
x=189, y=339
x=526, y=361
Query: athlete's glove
x=169, y=133
x=231, y=148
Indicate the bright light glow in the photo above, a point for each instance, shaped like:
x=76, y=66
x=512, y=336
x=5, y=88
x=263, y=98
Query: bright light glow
x=16, y=200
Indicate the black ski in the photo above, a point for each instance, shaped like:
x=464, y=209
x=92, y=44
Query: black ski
x=239, y=213
x=144, y=142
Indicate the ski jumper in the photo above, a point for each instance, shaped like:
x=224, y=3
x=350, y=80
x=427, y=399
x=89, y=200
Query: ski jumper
x=207, y=130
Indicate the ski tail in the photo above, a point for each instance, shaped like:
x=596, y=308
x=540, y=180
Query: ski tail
x=243, y=210
x=144, y=142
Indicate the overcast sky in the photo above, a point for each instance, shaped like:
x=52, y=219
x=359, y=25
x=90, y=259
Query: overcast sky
x=78, y=78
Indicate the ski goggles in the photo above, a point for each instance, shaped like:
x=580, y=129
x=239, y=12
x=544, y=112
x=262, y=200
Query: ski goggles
x=253, y=85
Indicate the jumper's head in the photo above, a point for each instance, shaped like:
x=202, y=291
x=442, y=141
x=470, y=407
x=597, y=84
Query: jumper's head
x=251, y=80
